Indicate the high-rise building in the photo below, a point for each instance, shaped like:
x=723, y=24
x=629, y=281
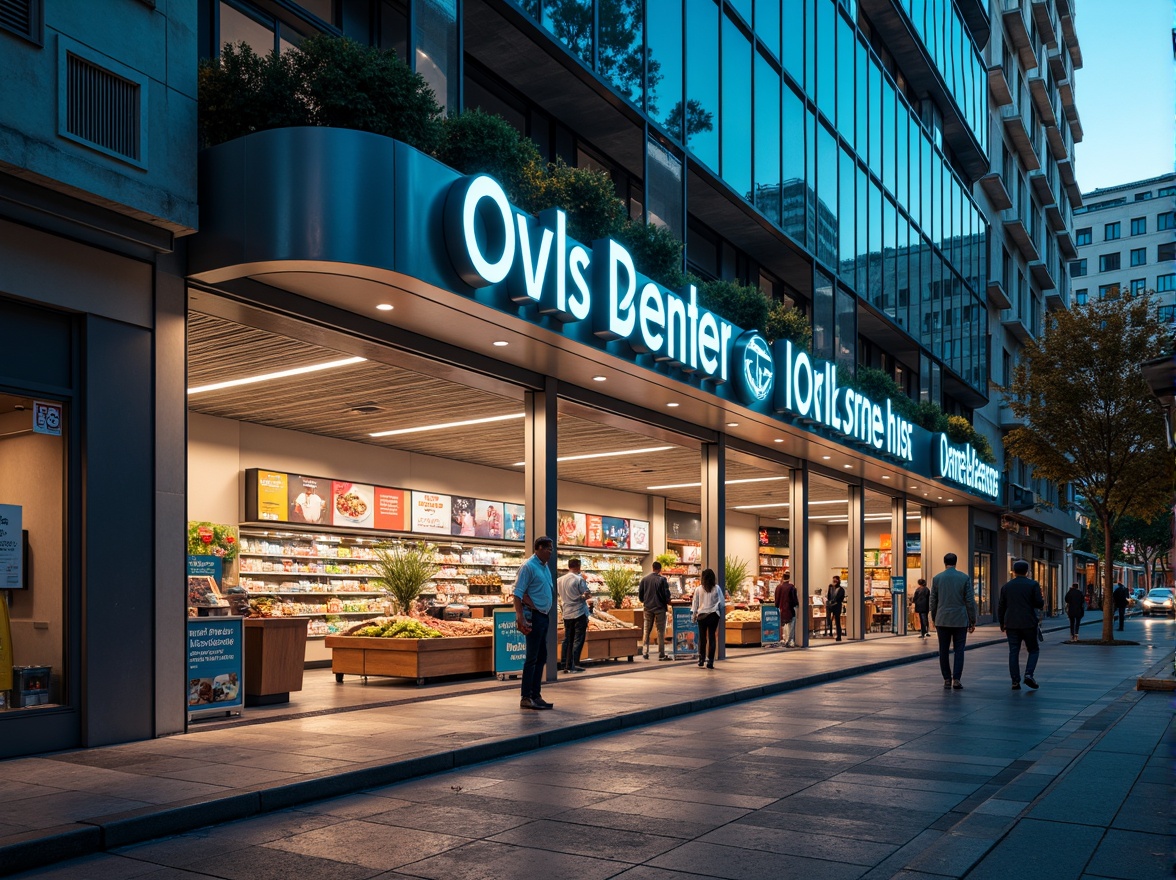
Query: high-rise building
x=376, y=347
x=1126, y=237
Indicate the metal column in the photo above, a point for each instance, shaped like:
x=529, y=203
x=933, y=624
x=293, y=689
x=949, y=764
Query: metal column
x=714, y=518
x=855, y=589
x=898, y=602
x=798, y=491
x=541, y=491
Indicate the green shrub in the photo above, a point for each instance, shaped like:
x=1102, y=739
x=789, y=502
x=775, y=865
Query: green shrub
x=741, y=304
x=589, y=197
x=785, y=322
x=656, y=252
x=245, y=92
x=482, y=143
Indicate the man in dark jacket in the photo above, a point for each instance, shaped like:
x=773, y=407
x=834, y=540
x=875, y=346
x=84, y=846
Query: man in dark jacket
x=922, y=600
x=786, y=601
x=1020, y=599
x=1120, y=599
x=835, y=603
x=655, y=599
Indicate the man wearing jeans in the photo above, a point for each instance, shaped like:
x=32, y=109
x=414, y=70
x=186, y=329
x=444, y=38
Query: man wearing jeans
x=787, y=601
x=1020, y=600
x=573, y=603
x=953, y=608
x=534, y=596
x=655, y=599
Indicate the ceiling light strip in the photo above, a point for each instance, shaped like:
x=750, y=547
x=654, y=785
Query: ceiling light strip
x=590, y=455
x=445, y=425
x=281, y=374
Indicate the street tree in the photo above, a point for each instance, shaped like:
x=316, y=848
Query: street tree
x=1090, y=419
x=1147, y=542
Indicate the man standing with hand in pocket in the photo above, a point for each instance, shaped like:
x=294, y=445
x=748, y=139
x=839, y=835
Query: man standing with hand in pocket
x=1020, y=600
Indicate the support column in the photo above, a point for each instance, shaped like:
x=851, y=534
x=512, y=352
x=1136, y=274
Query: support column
x=541, y=490
x=898, y=601
x=657, y=529
x=714, y=518
x=855, y=589
x=798, y=538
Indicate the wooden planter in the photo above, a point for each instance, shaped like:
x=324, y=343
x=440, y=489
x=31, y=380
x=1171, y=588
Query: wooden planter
x=606, y=644
x=743, y=632
x=410, y=658
x=275, y=655
x=635, y=616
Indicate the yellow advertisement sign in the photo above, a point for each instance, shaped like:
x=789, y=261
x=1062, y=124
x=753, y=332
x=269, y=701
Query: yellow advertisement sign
x=272, y=497
x=5, y=647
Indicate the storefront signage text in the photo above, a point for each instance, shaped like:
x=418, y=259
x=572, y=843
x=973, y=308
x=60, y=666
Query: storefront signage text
x=961, y=465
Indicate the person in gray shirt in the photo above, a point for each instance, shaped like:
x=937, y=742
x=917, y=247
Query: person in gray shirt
x=953, y=608
x=655, y=598
x=573, y=603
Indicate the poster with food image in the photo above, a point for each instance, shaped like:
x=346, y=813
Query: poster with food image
x=431, y=513
x=215, y=664
x=616, y=532
x=638, y=534
x=310, y=499
x=514, y=522
x=352, y=503
x=391, y=509
x=594, y=529
x=272, y=496
x=572, y=529
x=461, y=516
x=488, y=519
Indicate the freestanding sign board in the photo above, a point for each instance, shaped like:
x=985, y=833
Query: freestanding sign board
x=215, y=666
x=510, y=645
x=898, y=615
x=769, y=625
x=685, y=633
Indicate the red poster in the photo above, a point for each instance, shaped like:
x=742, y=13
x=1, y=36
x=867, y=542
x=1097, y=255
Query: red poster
x=595, y=532
x=391, y=510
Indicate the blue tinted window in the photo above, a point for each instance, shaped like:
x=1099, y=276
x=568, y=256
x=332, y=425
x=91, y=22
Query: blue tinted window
x=875, y=153
x=619, y=58
x=846, y=329
x=743, y=7
x=810, y=42
x=862, y=90
x=664, y=174
x=888, y=133
x=863, y=230
x=736, y=118
x=767, y=24
x=792, y=36
x=571, y=23
x=827, y=58
x=826, y=196
x=846, y=45
x=767, y=138
x=793, y=173
x=702, y=80
x=846, y=219
x=664, y=100
x=810, y=172
x=823, y=331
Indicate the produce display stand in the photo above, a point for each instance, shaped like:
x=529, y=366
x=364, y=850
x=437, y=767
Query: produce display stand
x=607, y=644
x=275, y=652
x=410, y=658
x=743, y=632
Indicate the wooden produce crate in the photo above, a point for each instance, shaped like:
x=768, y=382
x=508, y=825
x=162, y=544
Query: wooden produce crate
x=410, y=658
x=275, y=654
x=743, y=632
x=606, y=644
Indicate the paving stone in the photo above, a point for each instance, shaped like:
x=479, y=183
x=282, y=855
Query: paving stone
x=1129, y=855
x=608, y=843
x=485, y=860
x=266, y=863
x=710, y=860
x=369, y=844
x=449, y=820
x=1039, y=849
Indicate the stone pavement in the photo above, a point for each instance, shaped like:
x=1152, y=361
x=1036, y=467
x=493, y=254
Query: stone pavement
x=844, y=761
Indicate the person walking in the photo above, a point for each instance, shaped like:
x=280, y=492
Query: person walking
x=1020, y=600
x=1120, y=599
x=573, y=602
x=953, y=609
x=533, y=596
x=706, y=608
x=834, y=603
x=922, y=607
x=1075, y=610
x=787, y=601
x=654, y=592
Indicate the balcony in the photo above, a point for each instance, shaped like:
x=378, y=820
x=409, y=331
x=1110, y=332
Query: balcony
x=1039, y=89
x=1075, y=123
x=1066, y=244
x=1019, y=127
x=997, y=296
x=1070, y=35
x=1013, y=323
x=1058, y=138
x=1013, y=14
x=1008, y=421
x=1066, y=93
x=1043, y=17
x=1059, y=64
x=1041, y=188
x=998, y=85
x=1066, y=171
x=1055, y=300
x=998, y=195
x=1041, y=274
x=1018, y=233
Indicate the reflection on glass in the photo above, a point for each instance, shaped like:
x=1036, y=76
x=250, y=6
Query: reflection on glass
x=767, y=137
x=823, y=330
x=393, y=28
x=664, y=175
x=767, y=24
x=237, y=27
x=846, y=329
x=664, y=94
x=846, y=217
x=702, y=80
x=827, y=229
x=435, y=37
x=571, y=23
x=846, y=45
x=793, y=183
x=792, y=37
x=619, y=36
x=827, y=59
x=736, y=118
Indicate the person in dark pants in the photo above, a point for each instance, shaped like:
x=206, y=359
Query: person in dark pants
x=573, y=603
x=534, y=596
x=1075, y=610
x=1120, y=598
x=654, y=592
x=706, y=608
x=922, y=607
x=1020, y=600
x=834, y=603
x=953, y=608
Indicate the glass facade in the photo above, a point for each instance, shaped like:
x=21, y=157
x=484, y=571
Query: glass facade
x=788, y=103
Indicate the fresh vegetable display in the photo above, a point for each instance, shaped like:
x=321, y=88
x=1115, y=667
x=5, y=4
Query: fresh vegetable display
x=400, y=628
x=749, y=616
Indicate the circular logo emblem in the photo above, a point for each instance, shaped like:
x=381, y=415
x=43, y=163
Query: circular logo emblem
x=754, y=369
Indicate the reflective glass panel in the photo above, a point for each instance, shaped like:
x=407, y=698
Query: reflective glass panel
x=767, y=24
x=702, y=80
x=237, y=27
x=736, y=118
x=435, y=38
x=664, y=98
x=827, y=59
x=846, y=45
x=823, y=319
x=619, y=56
x=794, y=184
x=826, y=196
x=571, y=23
x=846, y=219
x=792, y=39
x=767, y=139
x=664, y=177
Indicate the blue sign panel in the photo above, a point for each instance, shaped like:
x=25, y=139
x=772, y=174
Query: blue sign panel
x=215, y=665
x=685, y=632
x=206, y=566
x=510, y=645
x=769, y=625
x=898, y=583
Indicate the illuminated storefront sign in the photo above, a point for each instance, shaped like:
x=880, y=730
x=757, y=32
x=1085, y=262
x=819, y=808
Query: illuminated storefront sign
x=961, y=465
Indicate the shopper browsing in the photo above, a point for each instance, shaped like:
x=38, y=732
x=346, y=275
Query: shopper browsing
x=533, y=597
x=953, y=608
x=654, y=592
x=706, y=608
x=787, y=601
x=573, y=602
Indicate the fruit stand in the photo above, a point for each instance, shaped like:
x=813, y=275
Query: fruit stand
x=420, y=659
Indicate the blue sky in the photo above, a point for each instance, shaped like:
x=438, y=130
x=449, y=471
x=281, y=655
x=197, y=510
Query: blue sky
x=1124, y=91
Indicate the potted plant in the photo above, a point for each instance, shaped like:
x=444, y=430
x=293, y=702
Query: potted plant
x=669, y=559
x=404, y=570
x=618, y=580
x=734, y=574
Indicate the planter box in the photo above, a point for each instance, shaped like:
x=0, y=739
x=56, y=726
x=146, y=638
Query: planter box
x=743, y=632
x=410, y=658
x=275, y=655
x=635, y=616
x=606, y=644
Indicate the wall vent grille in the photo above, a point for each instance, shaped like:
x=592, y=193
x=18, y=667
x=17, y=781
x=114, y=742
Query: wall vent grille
x=22, y=17
x=102, y=108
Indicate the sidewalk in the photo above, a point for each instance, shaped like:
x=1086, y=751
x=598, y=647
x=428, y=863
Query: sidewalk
x=87, y=801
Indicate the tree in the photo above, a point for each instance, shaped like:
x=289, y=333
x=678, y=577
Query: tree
x=1146, y=542
x=1090, y=418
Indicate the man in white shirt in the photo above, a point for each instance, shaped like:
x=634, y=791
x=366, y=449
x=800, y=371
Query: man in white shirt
x=309, y=505
x=573, y=603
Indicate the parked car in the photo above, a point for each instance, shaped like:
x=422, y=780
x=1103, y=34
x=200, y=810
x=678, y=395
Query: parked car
x=1159, y=601
x=1136, y=597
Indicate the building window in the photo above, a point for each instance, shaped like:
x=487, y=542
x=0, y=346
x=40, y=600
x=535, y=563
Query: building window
x=1143, y=196
x=1138, y=286
x=1080, y=296
x=1139, y=256
x=1084, y=236
x=1105, y=290
x=1166, y=220
x=1166, y=252
x=1167, y=191
x=1108, y=262
x=1138, y=225
x=1166, y=282
x=1078, y=268
x=1111, y=231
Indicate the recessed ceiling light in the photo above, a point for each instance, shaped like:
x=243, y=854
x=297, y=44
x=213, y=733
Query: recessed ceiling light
x=885, y=477
x=280, y=374
x=732, y=424
x=671, y=404
x=847, y=465
x=951, y=499
x=778, y=440
x=500, y=342
x=599, y=378
x=444, y=425
x=826, y=457
x=939, y=497
x=384, y=307
x=914, y=487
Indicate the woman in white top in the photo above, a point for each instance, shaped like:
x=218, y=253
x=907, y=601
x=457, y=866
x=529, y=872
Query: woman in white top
x=706, y=608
